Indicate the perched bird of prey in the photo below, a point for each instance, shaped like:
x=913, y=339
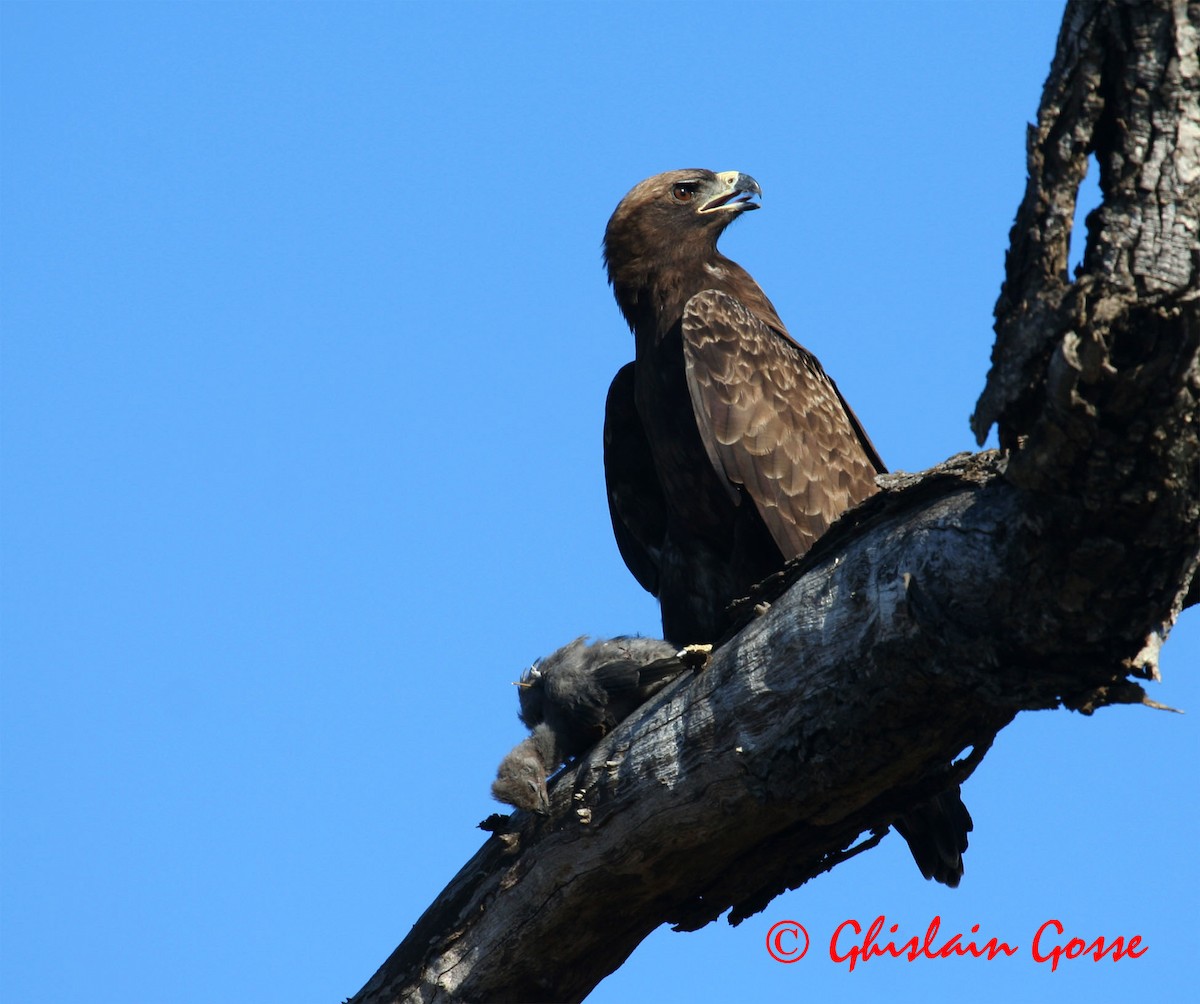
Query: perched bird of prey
x=573, y=698
x=727, y=448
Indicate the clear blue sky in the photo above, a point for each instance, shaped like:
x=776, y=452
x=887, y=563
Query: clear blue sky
x=306, y=339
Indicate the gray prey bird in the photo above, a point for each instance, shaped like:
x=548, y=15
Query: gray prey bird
x=574, y=697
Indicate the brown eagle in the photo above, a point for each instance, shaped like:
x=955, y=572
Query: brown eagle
x=727, y=448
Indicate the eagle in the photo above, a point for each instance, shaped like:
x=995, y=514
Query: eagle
x=727, y=448
x=573, y=698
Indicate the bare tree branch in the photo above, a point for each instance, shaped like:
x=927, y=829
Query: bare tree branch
x=1042, y=576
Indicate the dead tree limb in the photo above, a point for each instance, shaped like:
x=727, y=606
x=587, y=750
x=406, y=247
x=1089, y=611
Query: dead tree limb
x=1045, y=575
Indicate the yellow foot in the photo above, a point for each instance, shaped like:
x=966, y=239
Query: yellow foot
x=695, y=657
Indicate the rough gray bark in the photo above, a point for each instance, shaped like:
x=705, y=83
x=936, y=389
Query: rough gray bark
x=1043, y=576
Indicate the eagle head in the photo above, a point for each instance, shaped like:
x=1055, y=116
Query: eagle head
x=667, y=226
x=678, y=212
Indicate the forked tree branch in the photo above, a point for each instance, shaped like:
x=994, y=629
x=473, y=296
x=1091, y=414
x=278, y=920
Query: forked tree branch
x=888, y=658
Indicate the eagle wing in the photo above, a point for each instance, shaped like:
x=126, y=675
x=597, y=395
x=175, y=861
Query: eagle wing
x=772, y=422
x=635, y=498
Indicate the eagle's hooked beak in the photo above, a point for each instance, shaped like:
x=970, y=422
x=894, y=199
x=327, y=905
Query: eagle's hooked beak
x=732, y=193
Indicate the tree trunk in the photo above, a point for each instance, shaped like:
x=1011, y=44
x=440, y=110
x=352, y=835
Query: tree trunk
x=1045, y=575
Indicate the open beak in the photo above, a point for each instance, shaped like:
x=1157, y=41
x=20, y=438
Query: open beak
x=732, y=193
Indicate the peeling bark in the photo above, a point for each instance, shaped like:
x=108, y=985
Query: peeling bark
x=1042, y=576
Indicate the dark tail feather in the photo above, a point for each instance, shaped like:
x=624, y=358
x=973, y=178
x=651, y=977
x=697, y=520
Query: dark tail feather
x=936, y=832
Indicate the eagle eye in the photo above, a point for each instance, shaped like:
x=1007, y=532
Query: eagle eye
x=684, y=191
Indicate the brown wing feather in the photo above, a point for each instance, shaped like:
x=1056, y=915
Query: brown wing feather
x=772, y=421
